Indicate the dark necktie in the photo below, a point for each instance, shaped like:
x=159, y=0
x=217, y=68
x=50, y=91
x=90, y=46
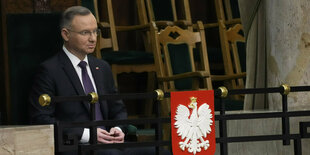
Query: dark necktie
x=88, y=88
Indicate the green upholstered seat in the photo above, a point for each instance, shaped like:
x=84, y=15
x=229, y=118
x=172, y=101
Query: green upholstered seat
x=128, y=57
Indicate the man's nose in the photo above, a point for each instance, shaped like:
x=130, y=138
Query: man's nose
x=93, y=37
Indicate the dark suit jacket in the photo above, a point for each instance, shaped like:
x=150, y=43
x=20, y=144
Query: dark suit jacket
x=57, y=77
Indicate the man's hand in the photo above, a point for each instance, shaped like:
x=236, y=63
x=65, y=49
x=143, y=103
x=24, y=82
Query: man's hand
x=114, y=136
x=104, y=136
x=117, y=134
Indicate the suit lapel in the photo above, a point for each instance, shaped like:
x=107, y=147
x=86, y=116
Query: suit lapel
x=74, y=78
x=99, y=81
x=97, y=75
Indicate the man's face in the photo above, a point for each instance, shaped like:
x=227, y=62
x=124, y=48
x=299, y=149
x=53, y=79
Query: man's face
x=81, y=38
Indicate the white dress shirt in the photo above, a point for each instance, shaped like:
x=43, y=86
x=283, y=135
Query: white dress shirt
x=75, y=62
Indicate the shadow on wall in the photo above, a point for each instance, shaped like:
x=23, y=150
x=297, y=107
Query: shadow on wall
x=32, y=38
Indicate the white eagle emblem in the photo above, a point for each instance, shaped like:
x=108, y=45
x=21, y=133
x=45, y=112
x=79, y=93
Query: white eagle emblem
x=195, y=127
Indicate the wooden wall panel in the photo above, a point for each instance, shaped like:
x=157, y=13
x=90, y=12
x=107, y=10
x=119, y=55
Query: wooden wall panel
x=4, y=98
x=2, y=79
x=19, y=6
x=59, y=6
x=27, y=6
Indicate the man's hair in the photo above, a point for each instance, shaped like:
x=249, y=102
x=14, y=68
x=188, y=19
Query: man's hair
x=70, y=13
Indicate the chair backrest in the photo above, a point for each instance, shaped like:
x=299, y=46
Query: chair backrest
x=108, y=37
x=90, y=4
x=227, y=10
x=231, y=34
x=163, y=12
x=174, y=54
x=229, y=40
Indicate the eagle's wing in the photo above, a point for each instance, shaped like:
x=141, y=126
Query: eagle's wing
x=182, y=121
x=204, y=119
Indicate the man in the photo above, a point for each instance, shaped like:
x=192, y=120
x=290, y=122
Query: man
x=74, y=72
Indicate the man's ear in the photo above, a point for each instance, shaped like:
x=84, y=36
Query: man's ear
x=65, y=34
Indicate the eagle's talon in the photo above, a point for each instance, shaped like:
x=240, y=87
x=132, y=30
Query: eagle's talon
x=183, y=145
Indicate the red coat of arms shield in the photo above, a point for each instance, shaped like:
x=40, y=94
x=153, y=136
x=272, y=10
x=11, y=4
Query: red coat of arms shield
x=192, y=122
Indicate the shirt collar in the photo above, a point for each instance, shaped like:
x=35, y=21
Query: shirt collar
x=74, y=59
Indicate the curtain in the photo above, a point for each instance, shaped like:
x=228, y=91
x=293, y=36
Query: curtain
x=253, y=17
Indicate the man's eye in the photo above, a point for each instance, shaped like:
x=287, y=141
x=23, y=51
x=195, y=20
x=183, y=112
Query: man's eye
x=85, y=32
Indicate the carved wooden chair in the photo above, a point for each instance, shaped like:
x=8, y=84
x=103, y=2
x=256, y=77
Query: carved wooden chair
x=230, y=35
x=174, y=58
x=230, y=31
x=229, y=39
x=175, y=64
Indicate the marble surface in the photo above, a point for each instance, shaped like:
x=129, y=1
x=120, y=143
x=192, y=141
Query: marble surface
x=27, y=140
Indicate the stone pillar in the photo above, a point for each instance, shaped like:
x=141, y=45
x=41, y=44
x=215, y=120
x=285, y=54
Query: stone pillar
x=288, y=50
